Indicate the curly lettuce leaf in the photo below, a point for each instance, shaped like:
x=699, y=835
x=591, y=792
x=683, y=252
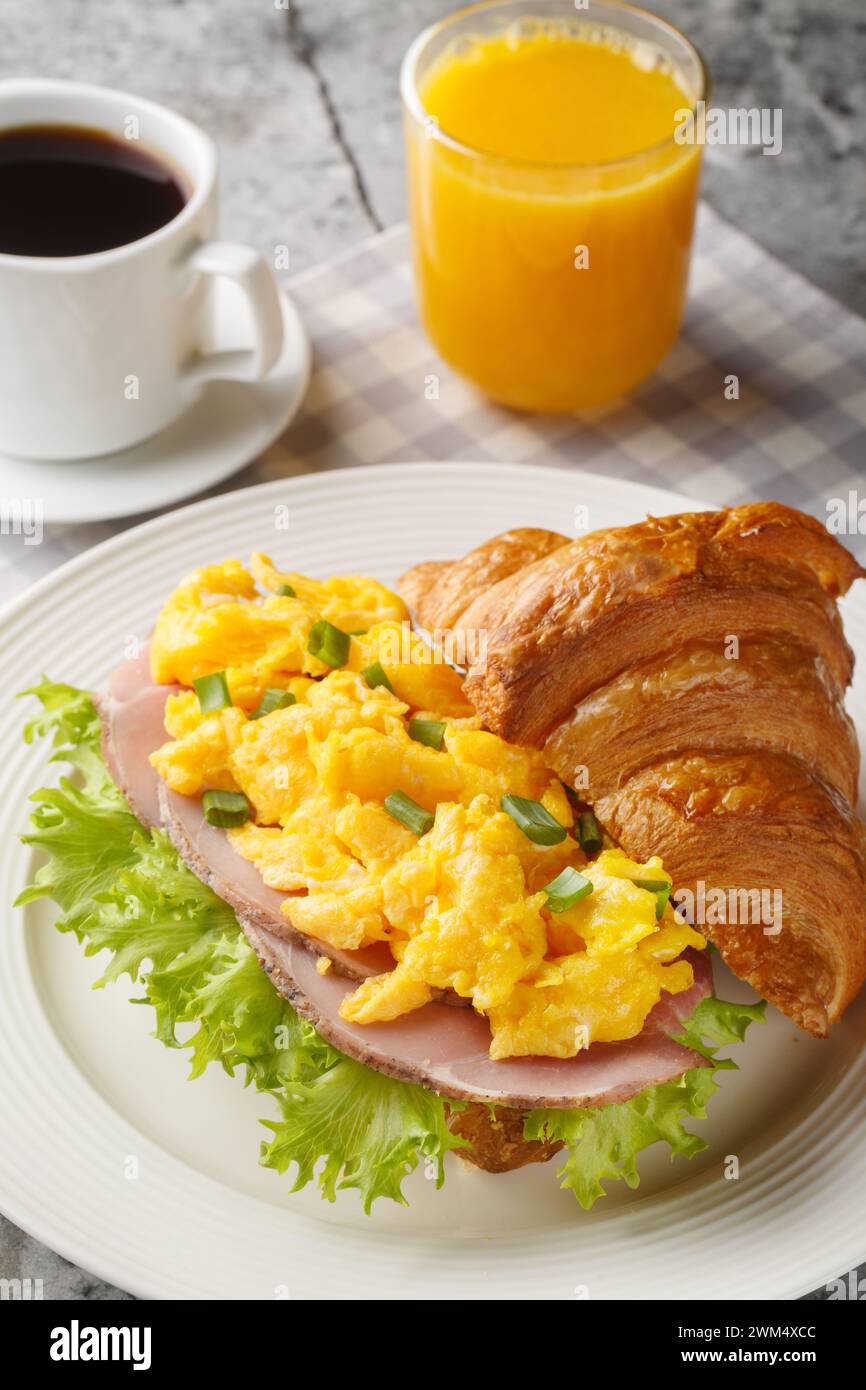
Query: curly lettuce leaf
x=85, y=827
x=385, y=1128
x=717, y=1022
x=603, y=1143
x=70, y=719
x=124, y=890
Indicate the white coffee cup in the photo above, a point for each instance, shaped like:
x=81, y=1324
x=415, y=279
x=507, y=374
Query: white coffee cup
x=101, y=351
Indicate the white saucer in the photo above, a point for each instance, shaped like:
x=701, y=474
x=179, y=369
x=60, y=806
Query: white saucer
x=229, y=425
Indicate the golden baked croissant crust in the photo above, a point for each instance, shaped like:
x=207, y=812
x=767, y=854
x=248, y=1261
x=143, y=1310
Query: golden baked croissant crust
x=687, y=675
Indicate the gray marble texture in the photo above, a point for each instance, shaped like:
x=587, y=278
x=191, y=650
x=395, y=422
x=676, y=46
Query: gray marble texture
x=304, y=107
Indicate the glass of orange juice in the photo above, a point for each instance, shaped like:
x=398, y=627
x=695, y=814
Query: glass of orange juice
x=551, y=204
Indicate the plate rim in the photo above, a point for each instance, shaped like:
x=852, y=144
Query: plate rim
x=203, y=505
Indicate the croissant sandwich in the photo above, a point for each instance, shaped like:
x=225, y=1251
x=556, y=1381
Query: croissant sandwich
x=292, y=830
x=687, y=676
x=377, y=889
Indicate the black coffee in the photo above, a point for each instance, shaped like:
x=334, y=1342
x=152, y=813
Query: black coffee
x=69, y=190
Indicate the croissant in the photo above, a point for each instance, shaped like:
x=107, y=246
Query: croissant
x=687, y=676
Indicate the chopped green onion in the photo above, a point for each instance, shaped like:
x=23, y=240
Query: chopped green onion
x=212, y=692
x=330, y=644
x=273, y=698
x=358, y=632
x=662, y=898
x=430, y=732
x=374, y=675
x=286, y=591
x=537, y=824
x=409, y=813
x=662, y=889
x=225, y=808
x=574, y=797
x=566, y=889
x=588, y=830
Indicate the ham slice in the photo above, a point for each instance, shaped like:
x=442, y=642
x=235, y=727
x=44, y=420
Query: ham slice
x=446, y=1049
x=443, y=1048
x=206, y=850
x=132, y=712
x=133, y=726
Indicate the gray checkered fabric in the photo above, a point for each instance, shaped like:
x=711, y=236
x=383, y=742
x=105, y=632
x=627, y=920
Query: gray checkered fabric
x=796, y=432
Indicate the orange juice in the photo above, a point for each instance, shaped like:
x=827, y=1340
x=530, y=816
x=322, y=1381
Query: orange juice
x=551, y=207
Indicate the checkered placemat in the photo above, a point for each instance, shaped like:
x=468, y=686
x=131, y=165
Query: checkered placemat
x=379, y=393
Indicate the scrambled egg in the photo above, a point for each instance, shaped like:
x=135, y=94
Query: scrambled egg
x=461, y=906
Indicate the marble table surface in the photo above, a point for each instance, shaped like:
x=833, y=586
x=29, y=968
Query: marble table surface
x=301, y=98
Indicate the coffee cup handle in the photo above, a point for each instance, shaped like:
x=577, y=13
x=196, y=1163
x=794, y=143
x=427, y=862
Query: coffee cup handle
x=251, y=272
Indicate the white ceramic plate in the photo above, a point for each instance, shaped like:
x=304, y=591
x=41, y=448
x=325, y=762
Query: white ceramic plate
x=83, y=1087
